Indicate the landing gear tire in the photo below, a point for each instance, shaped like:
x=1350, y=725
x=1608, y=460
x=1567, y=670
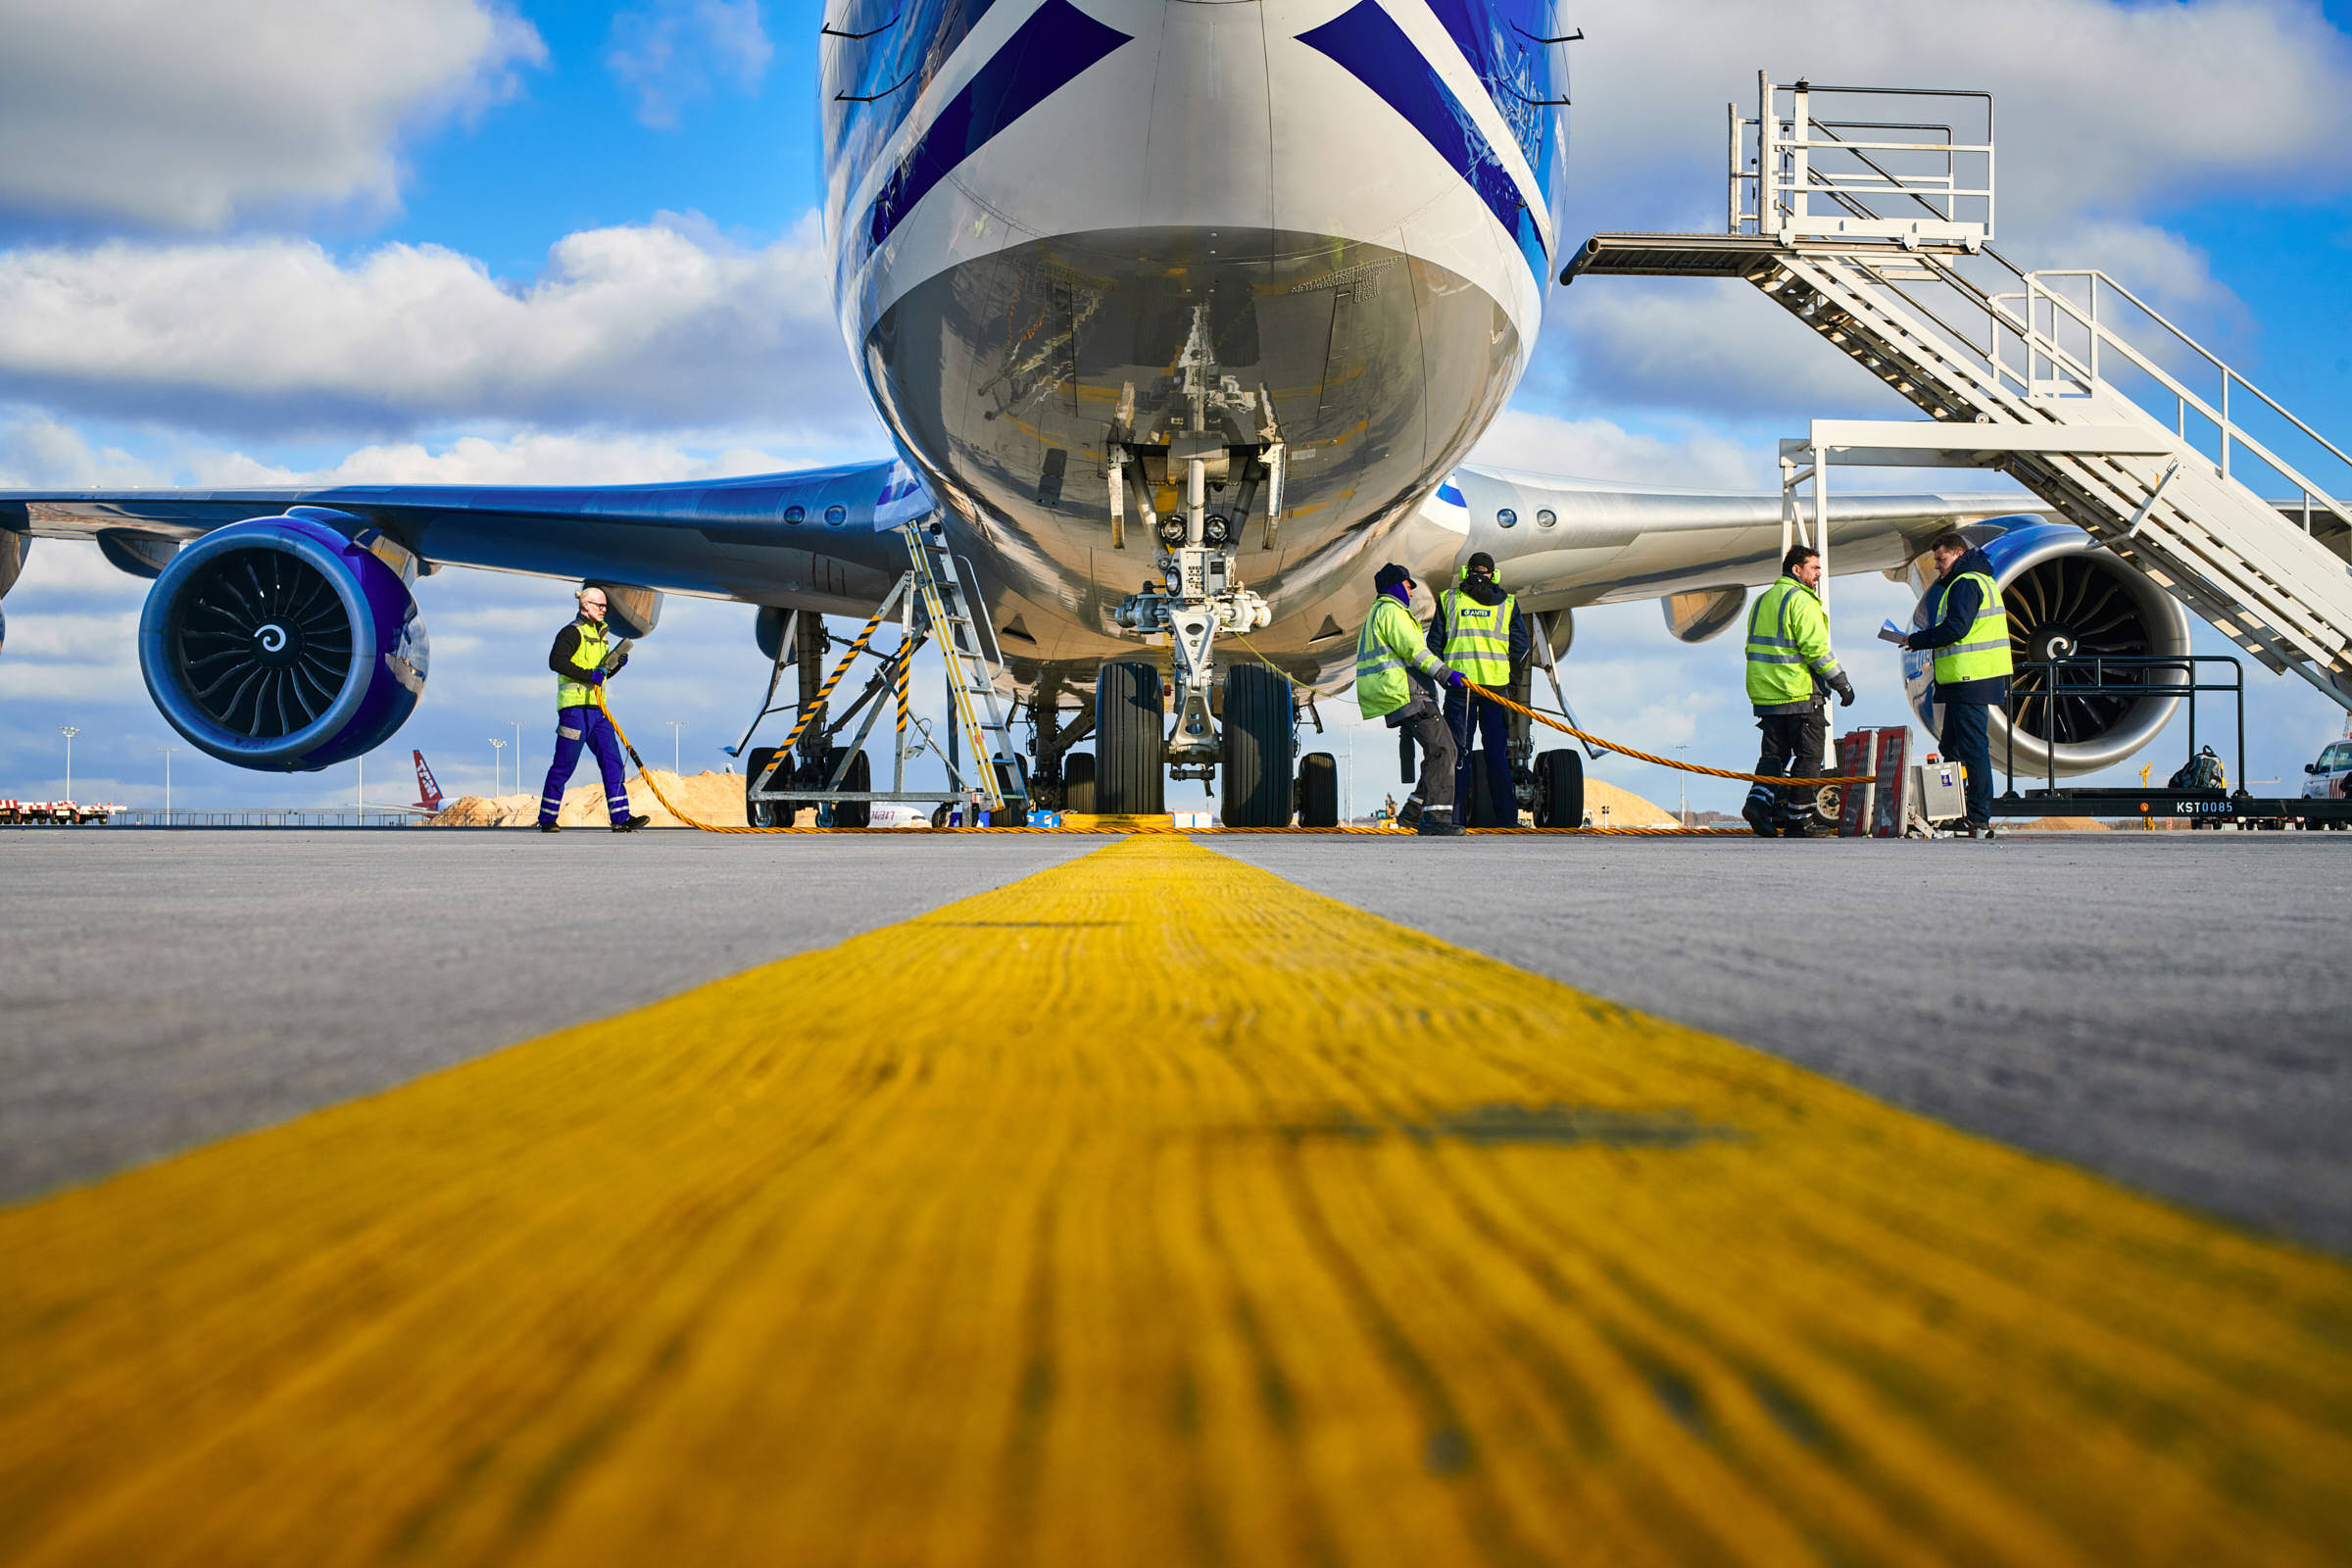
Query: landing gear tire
x=1477, y=809
x=765, y=813
x=1131, y=741
x=861, y=776
x=1318, y=790
x=1261, y=735
x=1559, y=789
x=1078, y=783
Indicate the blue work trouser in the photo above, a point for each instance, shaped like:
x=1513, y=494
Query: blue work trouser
x=1968, y=740
x=576, y=727
x=1493, y=727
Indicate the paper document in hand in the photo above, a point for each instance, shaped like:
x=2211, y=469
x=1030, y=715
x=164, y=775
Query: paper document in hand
x=1891, y=633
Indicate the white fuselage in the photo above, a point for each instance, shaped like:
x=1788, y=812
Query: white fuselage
x=1038, y=207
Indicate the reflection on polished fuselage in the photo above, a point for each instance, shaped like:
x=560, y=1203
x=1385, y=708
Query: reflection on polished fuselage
x=1340, y=213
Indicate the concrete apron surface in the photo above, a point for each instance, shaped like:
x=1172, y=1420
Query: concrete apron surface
x=1152, y=1208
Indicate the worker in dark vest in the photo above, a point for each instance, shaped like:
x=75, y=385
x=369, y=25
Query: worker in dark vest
x=583, y=658
x=1788, y=667
x=1481, y=635
x=1388, y=654
x=1968, y=633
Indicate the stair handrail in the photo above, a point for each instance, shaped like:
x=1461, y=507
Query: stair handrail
x=2100, y=333
x=2215, y=361
x=1792, y=139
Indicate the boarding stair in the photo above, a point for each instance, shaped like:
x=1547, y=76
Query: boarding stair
x=1865, y=213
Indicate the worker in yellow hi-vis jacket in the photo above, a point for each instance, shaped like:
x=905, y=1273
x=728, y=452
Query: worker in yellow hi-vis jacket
x=1388, y=654
x=1789, y=667
x=583, y=658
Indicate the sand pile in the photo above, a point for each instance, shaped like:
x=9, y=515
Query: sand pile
x=712, y=798
x=2063, y=824
x=1626, y=808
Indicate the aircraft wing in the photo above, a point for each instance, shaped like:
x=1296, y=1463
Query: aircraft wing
x=1561, y=542
x=816, y=538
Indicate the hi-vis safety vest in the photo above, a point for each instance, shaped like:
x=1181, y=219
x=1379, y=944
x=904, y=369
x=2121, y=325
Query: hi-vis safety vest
x=1787, y=645
x=1388, y=645
x=595, y=643
x=1477, y=637
x=1984, y=651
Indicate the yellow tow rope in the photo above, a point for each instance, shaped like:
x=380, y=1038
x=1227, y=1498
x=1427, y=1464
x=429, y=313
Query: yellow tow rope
x=1501, y=701
x=1485, y=691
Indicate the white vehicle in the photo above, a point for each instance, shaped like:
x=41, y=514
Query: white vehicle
x=2330, y=777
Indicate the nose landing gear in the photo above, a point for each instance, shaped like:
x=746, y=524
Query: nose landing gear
x=1211, y=432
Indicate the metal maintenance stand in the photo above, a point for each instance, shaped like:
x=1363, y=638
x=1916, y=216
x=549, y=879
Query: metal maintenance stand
x=934, y=605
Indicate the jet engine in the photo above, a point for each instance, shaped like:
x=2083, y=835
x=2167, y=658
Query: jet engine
x=2069, y=598
x=283, y=643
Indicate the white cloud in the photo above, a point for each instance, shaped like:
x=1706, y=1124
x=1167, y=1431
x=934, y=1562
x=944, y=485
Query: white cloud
x=658, y=325
x=185, y=113
x=665, y=54
x=2106, y=111
x=1598, y=449
x=1704, y=344
x=41, y=453
x=2102, y=106
x=534, y=456
x=38, y=453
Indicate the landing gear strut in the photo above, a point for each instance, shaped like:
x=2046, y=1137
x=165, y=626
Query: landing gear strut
x=1209, y=433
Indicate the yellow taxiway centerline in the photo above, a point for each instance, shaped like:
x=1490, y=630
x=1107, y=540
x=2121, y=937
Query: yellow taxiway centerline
x=1152, y=1210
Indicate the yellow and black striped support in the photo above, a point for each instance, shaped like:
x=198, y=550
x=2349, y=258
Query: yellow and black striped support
x=1153, y=1211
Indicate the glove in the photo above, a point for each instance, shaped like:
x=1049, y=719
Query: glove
x=594, y=677
x=1457, y=680
x=1845, y=689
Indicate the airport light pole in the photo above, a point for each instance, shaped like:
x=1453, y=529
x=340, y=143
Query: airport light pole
x=1682, y=781
x=167, y=751
x=498, y=770
x=675, y=729
x=517, y=723
x=69, y=732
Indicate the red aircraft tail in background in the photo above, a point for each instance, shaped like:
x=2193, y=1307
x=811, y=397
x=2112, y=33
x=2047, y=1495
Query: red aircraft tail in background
x=428, y=793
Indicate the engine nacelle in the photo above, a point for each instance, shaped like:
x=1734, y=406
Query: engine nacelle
x=2068, y=597
x=281, y=644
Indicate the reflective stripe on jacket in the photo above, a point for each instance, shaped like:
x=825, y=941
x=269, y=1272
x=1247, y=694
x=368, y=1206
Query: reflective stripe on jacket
x=1788, y=646
x=1390, y=645
x=1477, y=637
x=1984, y=652
x=595, y=643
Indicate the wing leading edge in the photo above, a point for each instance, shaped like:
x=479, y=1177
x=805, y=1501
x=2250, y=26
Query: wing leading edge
x=816, y=535
x=1563, y=542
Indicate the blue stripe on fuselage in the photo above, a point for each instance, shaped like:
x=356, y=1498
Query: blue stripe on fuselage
x=1500, y=41
x=1366, y=42
x=1052, y=48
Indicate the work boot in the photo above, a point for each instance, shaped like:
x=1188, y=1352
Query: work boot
x=1410, y=813
x=548, y=827
x=1759, y=817
x=631, y=825
x=1438, y=823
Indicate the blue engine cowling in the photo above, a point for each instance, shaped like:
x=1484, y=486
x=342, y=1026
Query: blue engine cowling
x=281, y=644
x=2068, y=597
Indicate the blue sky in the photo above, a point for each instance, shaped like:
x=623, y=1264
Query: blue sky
x=575, y=243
